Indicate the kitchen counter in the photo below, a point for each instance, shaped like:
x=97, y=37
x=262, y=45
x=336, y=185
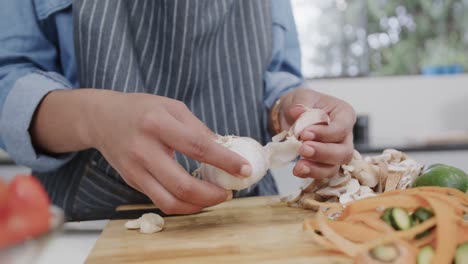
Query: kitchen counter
x=369, y=148
x=74, y=244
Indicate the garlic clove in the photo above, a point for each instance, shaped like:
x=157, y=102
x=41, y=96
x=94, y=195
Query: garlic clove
x=308, y=118
x=151, y=223
x=133, y=224
x=149, y=228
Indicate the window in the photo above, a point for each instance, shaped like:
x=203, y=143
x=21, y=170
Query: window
x=382, y=37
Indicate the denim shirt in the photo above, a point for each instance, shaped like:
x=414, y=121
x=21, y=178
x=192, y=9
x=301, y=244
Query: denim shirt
x=37, y=56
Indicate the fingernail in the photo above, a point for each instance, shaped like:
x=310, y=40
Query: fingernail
x=229, y=195
x=307, y=151
x=307, y=135
x=246, y=170
x=305, y=170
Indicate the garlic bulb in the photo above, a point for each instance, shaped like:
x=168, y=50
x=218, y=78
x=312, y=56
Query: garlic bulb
x=248, y=148
x=283, y=149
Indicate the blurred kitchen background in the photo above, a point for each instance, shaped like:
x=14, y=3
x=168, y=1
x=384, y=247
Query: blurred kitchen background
x=400, y=63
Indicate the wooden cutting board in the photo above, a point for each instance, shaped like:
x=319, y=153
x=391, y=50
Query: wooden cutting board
x=245, y=230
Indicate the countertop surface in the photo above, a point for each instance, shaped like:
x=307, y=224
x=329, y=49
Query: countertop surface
x=74, y=244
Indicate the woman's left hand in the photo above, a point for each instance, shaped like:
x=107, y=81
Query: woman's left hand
x=324, y=148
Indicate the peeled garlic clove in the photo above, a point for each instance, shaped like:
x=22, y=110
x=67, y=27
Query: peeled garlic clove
x=151, y=223
x=249, y=149
x=133, y=224
x=149, y=228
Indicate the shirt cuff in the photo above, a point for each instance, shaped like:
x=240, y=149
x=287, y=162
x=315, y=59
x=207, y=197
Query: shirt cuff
x=18, y=111
x=279, y=83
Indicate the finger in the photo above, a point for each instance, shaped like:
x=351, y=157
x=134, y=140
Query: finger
x=310, y=169
x=294, y=112
x=333, y=133
x=183, y=186
x=161, y=197
x=328, y=153
x=201, y=147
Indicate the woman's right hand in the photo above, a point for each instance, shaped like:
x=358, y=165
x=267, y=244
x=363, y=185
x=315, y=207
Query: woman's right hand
x=138, y=134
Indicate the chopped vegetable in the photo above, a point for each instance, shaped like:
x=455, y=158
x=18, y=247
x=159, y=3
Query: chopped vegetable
x=421, y=214
x=436, y=211
x=425, y=255
x=385, y=253
x=386, y=216
x=461, y=256
x=400, y=219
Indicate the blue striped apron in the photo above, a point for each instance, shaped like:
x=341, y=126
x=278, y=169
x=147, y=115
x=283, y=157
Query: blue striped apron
x=210, y=54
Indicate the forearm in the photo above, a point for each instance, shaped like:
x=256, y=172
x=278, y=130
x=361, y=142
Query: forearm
x=63, y=121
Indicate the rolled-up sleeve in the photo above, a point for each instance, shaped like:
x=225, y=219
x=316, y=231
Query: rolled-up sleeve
x=284, y=72
x=28, y=72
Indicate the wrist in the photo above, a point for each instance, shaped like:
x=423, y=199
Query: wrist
x=94, y=108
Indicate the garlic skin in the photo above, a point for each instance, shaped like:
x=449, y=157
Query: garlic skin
x=246, y=147
x=281, y=153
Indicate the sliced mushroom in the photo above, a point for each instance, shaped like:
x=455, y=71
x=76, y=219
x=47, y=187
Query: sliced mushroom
x=303, y=202
x=293, y=197
x=366, y=173
x=309, y=184
x=352, y=188
x=340, y=180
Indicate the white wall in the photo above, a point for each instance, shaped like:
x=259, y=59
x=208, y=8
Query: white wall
x=404, y=107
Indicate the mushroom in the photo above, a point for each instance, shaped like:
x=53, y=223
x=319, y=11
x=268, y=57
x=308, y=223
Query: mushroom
x=366, y=173
x=309, y=184
x=292, y=197
x=344, y=191
x=340, y=180
x=353, y=187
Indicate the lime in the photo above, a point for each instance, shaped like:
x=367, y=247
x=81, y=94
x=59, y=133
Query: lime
x=443, y=176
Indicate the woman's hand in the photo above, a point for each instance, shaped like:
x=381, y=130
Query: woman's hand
x=138, y=134
x=324, y=148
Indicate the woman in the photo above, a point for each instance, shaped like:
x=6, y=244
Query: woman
x=113, y=102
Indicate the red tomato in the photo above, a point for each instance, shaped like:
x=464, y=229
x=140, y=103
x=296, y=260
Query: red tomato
x=26, y=193
x=26, y=212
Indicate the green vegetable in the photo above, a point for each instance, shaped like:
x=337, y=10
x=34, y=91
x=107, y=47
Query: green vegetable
x=425, y=255
x=386, y=216
x=461, y=255
x=400, y=219
x=385, y=253
x=420, y=215
x=443, y=176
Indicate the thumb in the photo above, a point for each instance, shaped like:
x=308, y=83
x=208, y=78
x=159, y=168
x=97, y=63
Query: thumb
x=293, y=113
